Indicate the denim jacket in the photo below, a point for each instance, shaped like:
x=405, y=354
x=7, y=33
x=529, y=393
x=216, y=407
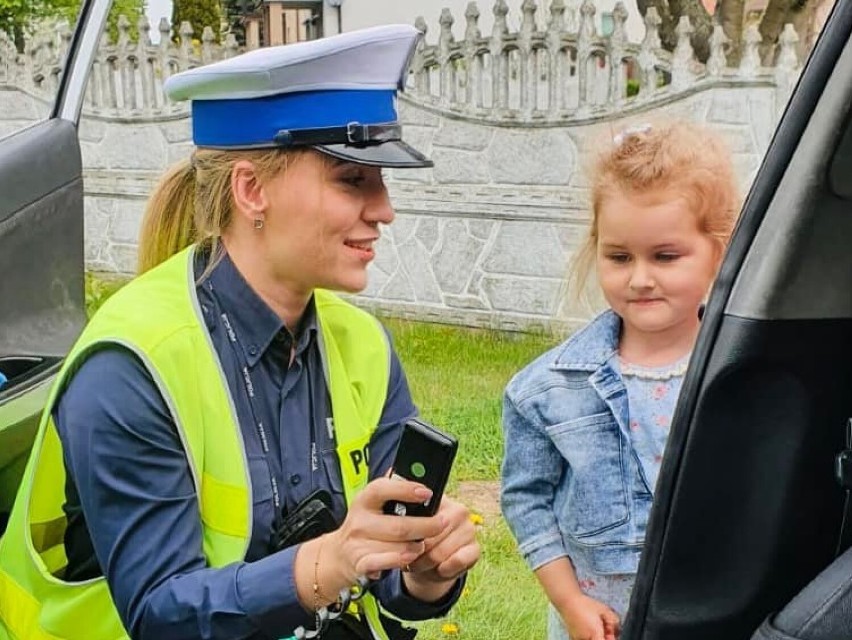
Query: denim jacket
x=572, y=482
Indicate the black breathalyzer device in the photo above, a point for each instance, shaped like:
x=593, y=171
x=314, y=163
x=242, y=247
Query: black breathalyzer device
x=425, y=455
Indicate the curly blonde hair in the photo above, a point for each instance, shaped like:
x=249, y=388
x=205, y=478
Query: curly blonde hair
x=681, y=157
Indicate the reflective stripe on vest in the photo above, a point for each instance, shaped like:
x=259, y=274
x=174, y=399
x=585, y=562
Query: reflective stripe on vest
x=157, y=316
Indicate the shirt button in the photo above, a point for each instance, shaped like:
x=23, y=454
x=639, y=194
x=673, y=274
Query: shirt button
x=252, y=350
x=295, y=479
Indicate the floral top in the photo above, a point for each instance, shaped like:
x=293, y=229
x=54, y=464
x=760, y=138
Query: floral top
x=652, y=394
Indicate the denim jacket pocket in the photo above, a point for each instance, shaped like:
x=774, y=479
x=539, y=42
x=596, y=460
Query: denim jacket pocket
x=596, y=493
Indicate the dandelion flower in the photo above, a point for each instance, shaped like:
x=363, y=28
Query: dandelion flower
x=450, y=629
x=477, y=519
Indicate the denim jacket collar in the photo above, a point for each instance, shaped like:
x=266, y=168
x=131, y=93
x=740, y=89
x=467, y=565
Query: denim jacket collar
x=592, y=346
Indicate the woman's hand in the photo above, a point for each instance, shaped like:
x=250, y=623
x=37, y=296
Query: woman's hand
x=367, y=543
x=445, y=556
x=588, y=619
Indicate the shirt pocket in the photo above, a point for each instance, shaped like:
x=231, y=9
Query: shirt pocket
x=263, y=506
x=261, y=481
x=334, y=482
x=597, y=495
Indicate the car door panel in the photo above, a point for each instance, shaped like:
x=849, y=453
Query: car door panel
x=42, y=305
x=747, y=511
x=821, y=611
x=41, y=232
x=756, y=510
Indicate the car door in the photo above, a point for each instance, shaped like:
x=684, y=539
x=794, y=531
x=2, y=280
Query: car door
x=41, y=253
x=747, y=508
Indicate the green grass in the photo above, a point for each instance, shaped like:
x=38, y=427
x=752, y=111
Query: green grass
x=457, y=376
x=98, y=289
x=502, y=598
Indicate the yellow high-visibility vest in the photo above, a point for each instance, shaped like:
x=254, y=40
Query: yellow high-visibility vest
x=157, y=317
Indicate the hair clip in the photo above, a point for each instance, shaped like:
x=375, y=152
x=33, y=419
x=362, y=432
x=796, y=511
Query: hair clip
x=619, y=138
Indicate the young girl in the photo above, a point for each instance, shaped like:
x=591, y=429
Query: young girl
x=586, y=423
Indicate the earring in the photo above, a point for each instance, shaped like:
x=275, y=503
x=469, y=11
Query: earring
x=258, y=223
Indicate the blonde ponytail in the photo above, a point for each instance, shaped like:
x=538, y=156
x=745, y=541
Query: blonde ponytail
x=168, y=225
x=193, y=202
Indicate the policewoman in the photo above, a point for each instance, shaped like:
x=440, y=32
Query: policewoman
x=210, y=397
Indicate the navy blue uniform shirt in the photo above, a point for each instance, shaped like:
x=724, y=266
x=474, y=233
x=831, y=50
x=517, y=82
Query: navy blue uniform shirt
x=141, y=527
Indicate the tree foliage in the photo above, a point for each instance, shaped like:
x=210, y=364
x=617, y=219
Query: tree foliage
x=133, y=9
x=731, y=15
x=200, y=14
x=20, y=17
x=235, y=13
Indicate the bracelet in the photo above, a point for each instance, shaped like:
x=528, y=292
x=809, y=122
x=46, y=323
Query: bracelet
x=318, y=594
x=325, y=614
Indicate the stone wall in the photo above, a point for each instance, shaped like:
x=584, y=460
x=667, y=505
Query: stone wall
x=485, y=236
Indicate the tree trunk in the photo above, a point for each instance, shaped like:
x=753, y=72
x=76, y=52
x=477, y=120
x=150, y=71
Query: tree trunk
x=670, y=12
x=702, y=24
x=777, y=14
x=731, y=14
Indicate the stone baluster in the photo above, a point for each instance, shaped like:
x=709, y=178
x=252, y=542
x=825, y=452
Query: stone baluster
x=418, y=60
x=572, y=23
x=185, y=48
x=54, y=69
x=208, y=41
x=586, y=34
x=232, y=47
x=57, y=48
x=109, y=96
x=8, y=54
x=65, y=35
x=750, y=62
x=32, y=59
x=143, y=64
x=556, y=77
x=164, y=57
x=527, y=57
x=472, y=36
x=126, y=65
x=617, y=50
x=26, y=64
x=446, y=46
x=788, y=58
x=499, y=59
x=683, y=57
x=717, y=61
x=40, y=54
x=648, y=54
x=94, y=87
x=787, y=67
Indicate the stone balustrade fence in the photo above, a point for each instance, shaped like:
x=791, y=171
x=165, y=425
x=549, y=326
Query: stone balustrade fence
x=485, y=236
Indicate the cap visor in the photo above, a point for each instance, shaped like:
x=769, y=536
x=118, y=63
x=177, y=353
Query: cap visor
x=395, y=154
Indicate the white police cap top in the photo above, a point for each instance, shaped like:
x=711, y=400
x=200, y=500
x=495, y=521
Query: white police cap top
x=336, y=94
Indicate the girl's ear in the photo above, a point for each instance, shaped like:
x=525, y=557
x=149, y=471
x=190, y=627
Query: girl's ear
x=249, y=195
